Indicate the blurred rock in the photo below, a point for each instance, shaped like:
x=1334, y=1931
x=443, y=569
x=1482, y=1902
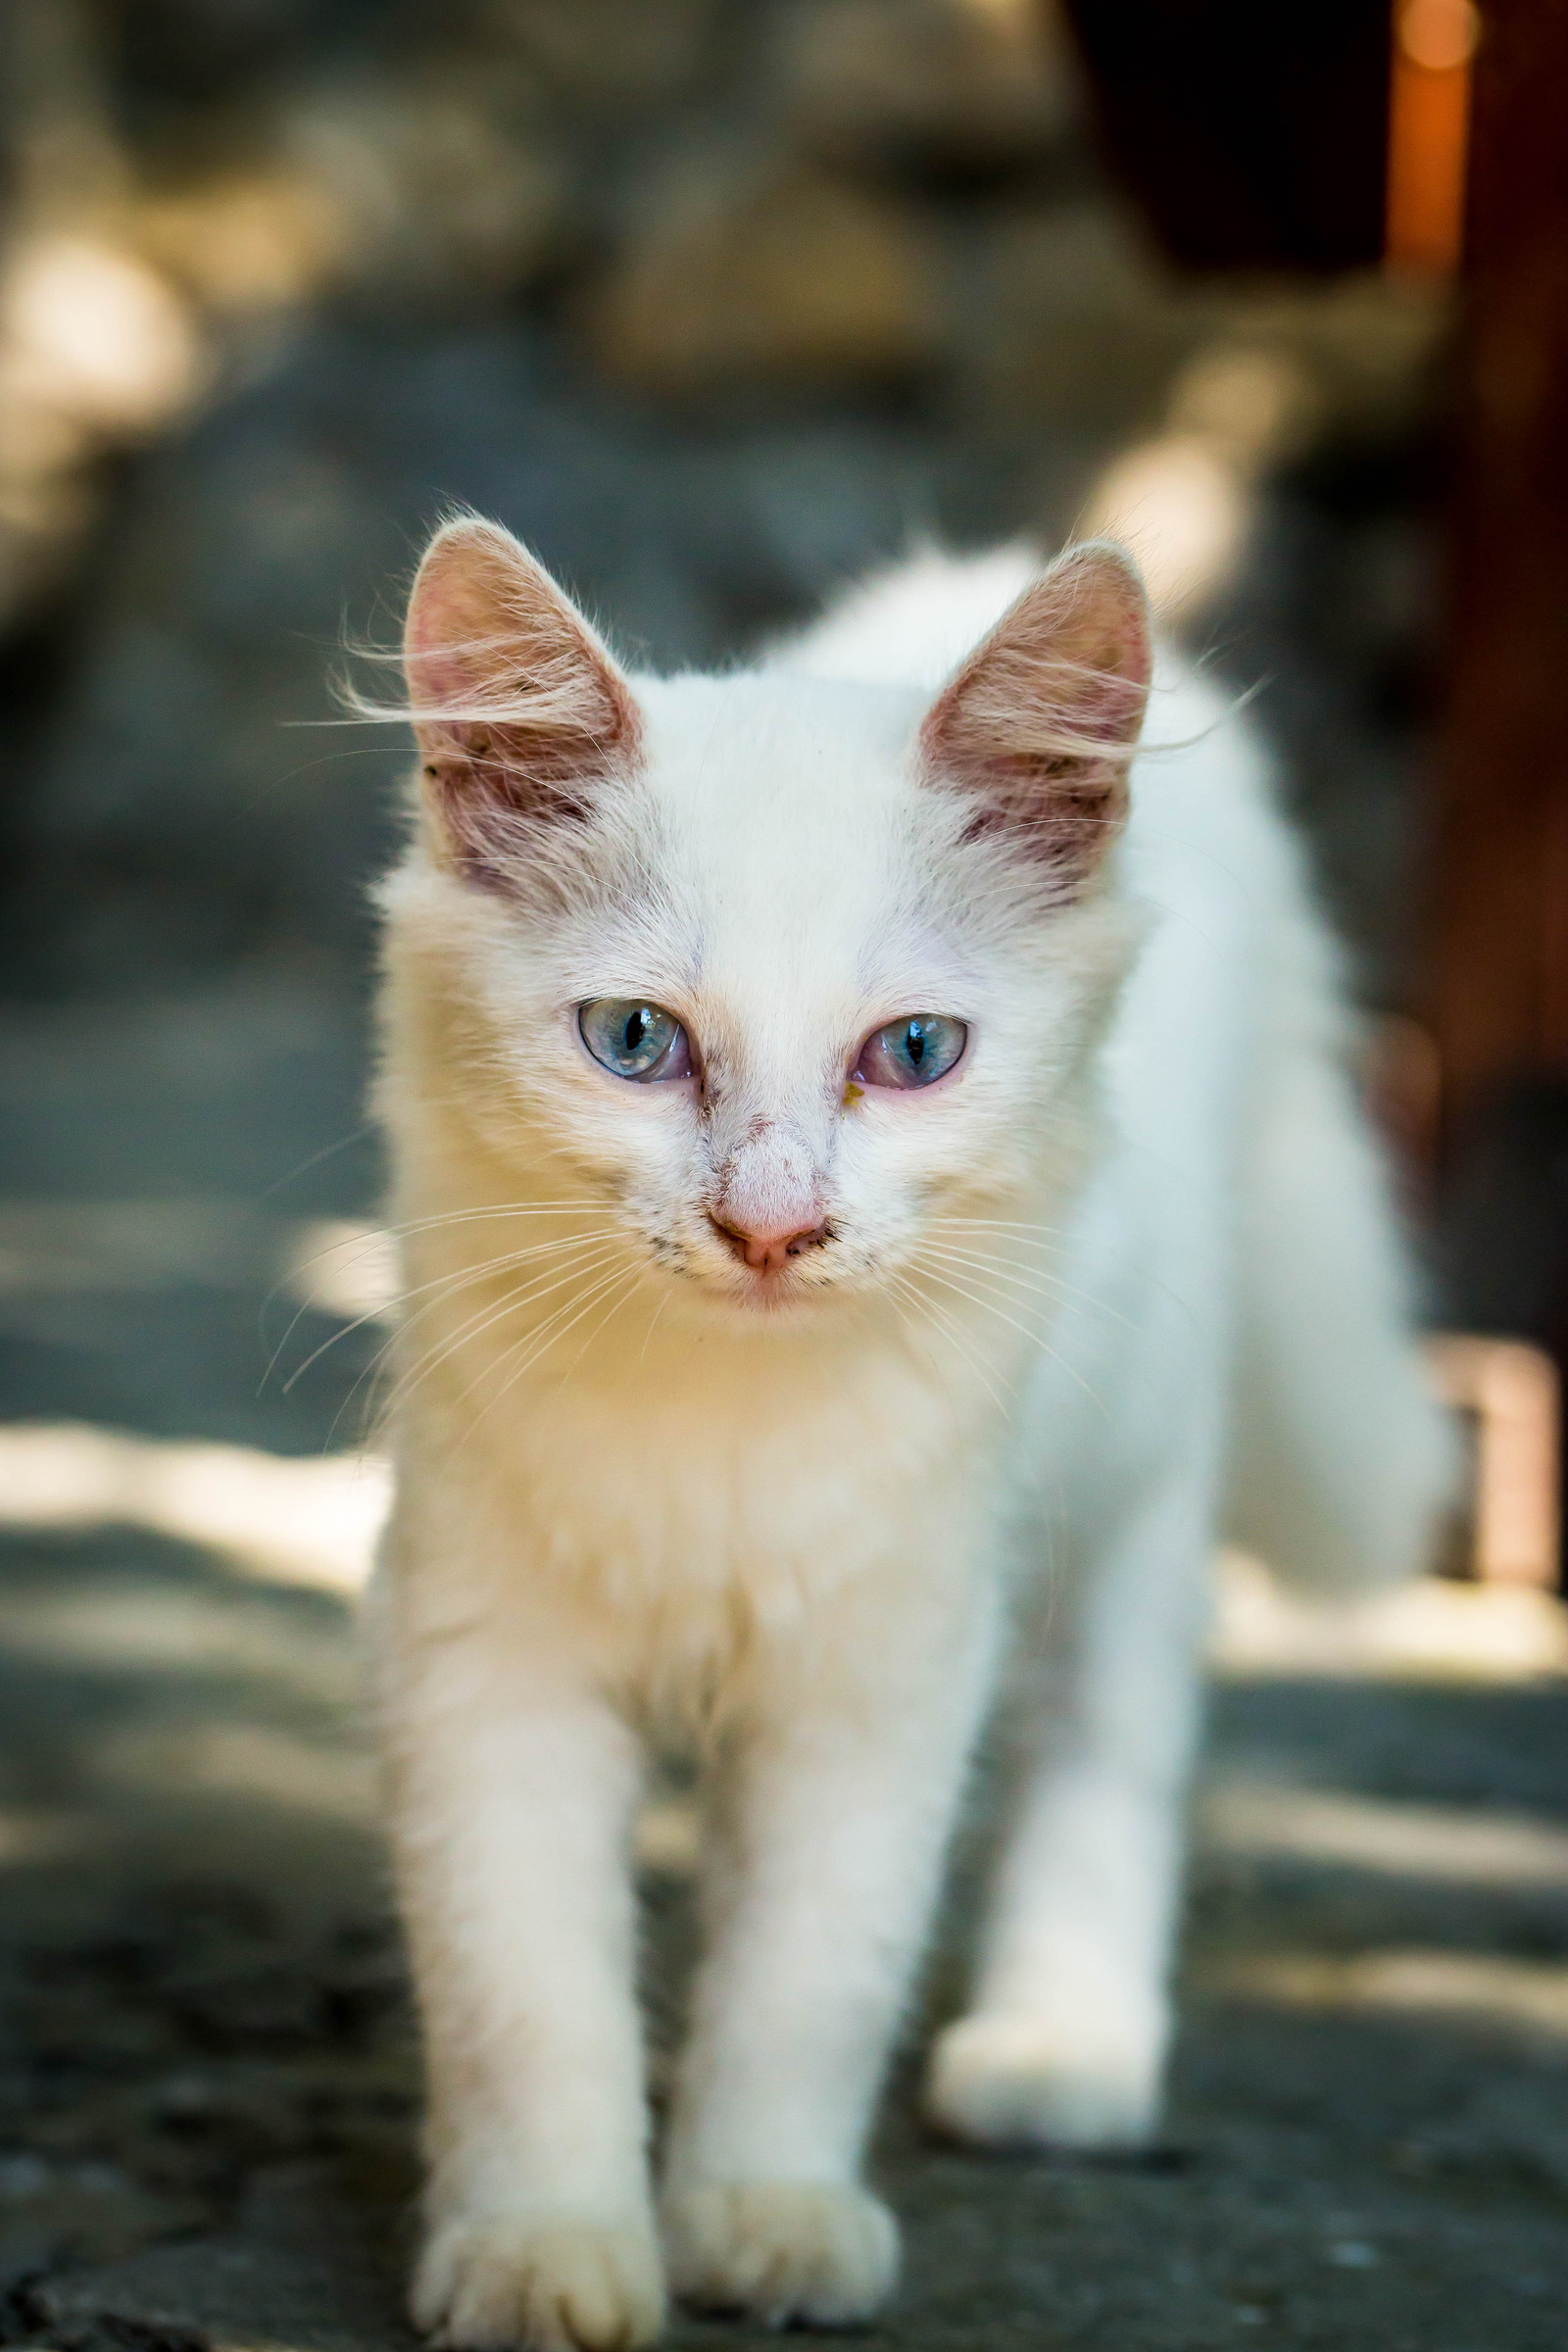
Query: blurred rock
x=606, y=56
x=1069, y=323
x=782, y=279
x=169, y=55
x=315, y=2260
x=434, y=198
x=91, y=2211
x=959, y=86
x=97, y=352
x=90, y=334
x=1366, y=350
x=249, y=243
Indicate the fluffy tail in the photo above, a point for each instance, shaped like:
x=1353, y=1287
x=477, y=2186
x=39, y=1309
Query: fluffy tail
x=1343, y=1461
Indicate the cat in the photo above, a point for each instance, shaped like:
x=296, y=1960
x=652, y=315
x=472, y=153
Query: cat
x=880, y=1196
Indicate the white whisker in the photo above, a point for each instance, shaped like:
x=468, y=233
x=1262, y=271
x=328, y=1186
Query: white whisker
x=662, y=1303
x=961, y=1342
x=456, y=1279
x=989, y=1307
x=447, y=1287
x=1035, y=1279
x=537, y=1344
x=484, y=1321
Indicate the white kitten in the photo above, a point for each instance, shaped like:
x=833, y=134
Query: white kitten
x=858, y=1215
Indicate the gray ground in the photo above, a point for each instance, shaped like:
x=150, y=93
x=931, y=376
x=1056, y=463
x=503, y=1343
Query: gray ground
x=208, y=2081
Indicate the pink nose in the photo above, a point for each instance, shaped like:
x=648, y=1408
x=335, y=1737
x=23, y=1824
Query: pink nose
x=766, y=1251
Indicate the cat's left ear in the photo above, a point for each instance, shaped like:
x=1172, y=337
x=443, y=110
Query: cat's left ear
x=518, y=704
x=1038, y=728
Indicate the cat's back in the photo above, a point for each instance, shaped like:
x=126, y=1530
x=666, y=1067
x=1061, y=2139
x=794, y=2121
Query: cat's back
x=913, y=624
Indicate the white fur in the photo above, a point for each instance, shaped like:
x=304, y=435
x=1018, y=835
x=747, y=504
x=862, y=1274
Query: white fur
x=807, y=1541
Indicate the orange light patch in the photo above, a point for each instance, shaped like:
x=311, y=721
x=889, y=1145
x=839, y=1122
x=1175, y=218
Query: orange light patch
x=1429, y=122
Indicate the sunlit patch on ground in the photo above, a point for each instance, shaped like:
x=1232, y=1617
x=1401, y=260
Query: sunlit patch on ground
x=1481, y=1988
x=30, y=1834
x=312, y=1522
x=1475, y=1847
x=270, y=1765
x=335, y=1264
x=1429, y=1630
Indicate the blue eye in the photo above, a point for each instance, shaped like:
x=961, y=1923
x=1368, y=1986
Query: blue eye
x=913, y=1052
x=634, y=1040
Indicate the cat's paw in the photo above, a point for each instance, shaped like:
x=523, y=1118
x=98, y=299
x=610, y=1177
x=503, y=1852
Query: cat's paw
x=557, y=2282
x=816, y=2252
x=1005, y=2080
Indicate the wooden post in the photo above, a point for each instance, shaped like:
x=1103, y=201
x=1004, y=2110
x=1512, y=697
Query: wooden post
x=1497, y=997
x=1500, y=983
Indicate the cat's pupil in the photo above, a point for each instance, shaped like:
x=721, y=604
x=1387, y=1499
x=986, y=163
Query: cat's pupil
x=915, y=1044
x=637, y=1028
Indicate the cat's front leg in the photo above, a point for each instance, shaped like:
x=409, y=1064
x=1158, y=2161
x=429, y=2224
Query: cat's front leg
x=1066, y=2041
x=512, y=1786
x=828, y=1859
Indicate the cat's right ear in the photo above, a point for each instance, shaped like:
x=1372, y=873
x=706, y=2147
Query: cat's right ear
x=518, y=707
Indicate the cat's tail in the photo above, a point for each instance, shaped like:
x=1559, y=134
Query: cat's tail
x=1343, y=1461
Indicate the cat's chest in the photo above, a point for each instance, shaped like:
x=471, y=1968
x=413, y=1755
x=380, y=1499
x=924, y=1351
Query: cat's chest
x=728, y=1479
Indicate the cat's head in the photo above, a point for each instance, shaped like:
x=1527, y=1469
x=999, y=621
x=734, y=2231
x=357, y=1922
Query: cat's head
x=774, y=972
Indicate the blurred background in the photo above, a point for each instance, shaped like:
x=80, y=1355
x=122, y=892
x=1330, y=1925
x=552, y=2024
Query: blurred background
x=718, y=303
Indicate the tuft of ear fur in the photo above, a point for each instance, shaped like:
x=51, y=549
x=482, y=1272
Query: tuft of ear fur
x=1039, y=726
x=517, y=704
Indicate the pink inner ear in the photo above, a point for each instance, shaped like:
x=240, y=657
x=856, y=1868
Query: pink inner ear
x=1038, y=726
x=516, y=704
